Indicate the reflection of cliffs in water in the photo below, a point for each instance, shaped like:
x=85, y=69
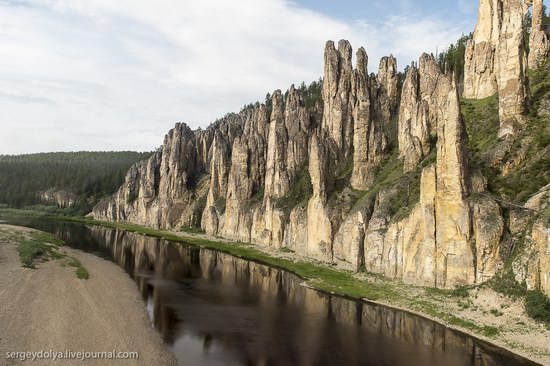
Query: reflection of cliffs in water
x=263, y=315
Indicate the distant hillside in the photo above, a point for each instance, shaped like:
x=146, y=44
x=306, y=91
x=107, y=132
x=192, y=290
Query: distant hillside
x=74, y=181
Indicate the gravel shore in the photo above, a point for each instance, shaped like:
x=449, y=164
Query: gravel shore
x=49, y=308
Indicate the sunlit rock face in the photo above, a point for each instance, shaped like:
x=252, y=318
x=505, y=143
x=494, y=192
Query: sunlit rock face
x=439, y=243
x=481, y=62
x=161, y=191
x=418, y=112
x=298, y=173
x=357, y=107
x=533, y=264
x=496, y=60
x=539, y=42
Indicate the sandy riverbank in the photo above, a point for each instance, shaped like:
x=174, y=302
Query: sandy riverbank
x=49, y=308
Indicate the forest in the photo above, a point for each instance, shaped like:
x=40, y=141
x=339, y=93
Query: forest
x=87, y=176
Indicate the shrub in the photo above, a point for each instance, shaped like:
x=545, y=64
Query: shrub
x=489, y=331
x=82, y=273
x=506, y=284
x=299, y=193
x=29, y=250
x=537, y=306
x=461, y=291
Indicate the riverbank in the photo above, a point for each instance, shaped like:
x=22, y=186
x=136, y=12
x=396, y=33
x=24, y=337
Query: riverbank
x=478, y=311
x=51, y=308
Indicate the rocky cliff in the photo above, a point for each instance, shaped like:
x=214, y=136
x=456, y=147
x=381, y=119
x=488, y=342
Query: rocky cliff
x=539, y=42
x=496, y=60
x=363, y=173
x=59, y=198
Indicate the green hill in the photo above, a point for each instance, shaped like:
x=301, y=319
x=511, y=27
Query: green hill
x=86, y=177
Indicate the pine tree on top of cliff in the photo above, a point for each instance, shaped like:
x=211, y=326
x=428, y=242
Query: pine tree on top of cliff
x=452, y=59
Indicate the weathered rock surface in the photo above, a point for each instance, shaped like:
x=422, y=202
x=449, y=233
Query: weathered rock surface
x=539, y=42
x=357, y=106
x=512, y=76
x=433, y=245
x=533, y=266
x=418, y=111
x=319, y=227
x=455, y=257
x=164, y=191
x=302, y=177
x=481, y=61
x=496, y=61
x=60, y=198
x=387, y=77
x=488, y=230
x=540, y=273
x=409, y=248
x=371, y=112
x=337, y=96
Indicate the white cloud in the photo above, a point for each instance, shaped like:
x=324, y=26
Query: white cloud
x=104, y=74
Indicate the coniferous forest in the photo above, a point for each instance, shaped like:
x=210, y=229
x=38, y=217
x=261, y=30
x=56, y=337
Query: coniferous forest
x=86, y=176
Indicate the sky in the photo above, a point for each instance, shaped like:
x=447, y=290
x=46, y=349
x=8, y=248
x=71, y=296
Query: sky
x=118, y=74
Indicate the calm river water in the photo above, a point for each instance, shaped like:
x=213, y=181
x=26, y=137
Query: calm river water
x=216, y=309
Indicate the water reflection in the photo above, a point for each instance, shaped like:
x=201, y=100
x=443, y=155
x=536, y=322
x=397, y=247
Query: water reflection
x=215, y=309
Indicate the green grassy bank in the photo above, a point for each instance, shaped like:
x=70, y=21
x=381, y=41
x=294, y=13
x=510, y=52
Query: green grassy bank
x=428, y=302
x=366, y=286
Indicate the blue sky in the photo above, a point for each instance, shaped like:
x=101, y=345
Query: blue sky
x=378, y=9
x=117, y=75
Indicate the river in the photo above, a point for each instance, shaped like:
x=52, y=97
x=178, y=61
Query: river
x=215, y=309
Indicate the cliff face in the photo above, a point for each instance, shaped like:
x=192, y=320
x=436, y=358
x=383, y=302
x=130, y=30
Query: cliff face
x=297, y=178
x=60, y=198
x=496, y=60
x=418, y=112
x=163, y=190
x=539, y=42
x=357, y=106
x=329, y=179
x=533, y=265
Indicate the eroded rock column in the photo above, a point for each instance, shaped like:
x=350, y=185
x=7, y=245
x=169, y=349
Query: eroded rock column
x=539, y=44
x=496, y=61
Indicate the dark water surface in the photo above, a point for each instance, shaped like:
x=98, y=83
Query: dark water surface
x=215, y=309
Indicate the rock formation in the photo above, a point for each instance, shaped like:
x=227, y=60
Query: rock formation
x=434, y=245
x=539, y=275
x=418, y=111
x=533, y=265
x=372, y=110
x=455, y=262
x=161, y=191
x=319, y=226
x=387, y=77
x=496, y=61
x=481, y=60
x=311, y=177
x=539, y=43
x=60, y=198
x=337, y=98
